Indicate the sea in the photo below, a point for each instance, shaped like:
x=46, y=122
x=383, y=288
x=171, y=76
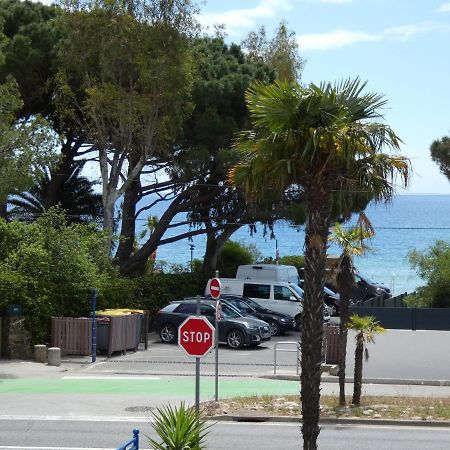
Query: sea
x=408, y=222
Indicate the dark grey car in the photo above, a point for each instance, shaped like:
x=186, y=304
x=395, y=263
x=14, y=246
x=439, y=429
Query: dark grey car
x=234, y=329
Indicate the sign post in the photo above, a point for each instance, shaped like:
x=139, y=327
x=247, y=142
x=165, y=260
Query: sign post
x=215, y=288
x=218, y=318
x=196, y=338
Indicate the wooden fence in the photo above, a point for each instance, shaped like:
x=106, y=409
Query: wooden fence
x=121, y=333
x=331, y=344
x=72, y=335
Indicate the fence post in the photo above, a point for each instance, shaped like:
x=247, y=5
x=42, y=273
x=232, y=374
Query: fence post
x=94, y=325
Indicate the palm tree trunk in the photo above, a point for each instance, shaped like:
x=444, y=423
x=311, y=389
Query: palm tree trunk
x=312, y=316
x=357, y=381
x=345, y=281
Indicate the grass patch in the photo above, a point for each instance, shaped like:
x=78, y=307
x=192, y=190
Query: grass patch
x=375, y=407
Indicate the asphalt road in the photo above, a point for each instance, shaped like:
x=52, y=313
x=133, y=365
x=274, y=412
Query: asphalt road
x=79, y=435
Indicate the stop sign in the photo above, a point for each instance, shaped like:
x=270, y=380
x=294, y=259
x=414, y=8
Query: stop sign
x=196, y=336
x=214, y=288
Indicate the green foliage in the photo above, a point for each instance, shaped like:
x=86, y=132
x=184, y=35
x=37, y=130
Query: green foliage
x=30, y=52
x=440, y=153
x=366, y=327
x=179, y=429
x=24, y=146
x=433, y=266
x=150, y=291
x=293, y=260
x=76, y=197
x=233, y=255
x=49, y=268
x=280, y=53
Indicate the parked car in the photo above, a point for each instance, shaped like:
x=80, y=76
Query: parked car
x=234, y=329
x=279, y=323
x=331, y=299
x=365, y=289
x=279, y=296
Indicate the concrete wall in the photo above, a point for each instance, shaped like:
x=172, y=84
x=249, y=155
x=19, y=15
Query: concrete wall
x=405, y=354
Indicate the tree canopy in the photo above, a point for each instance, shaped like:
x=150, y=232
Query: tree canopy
x=440, y=154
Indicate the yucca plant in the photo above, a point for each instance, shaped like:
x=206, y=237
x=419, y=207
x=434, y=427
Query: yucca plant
x=179, y=428
x=366, y=327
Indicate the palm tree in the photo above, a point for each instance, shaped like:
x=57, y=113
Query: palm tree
x=319, y=140
x=366, y=327
x=351, y=242
x=77, y=197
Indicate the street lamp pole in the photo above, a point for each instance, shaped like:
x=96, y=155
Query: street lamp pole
x=191, y=247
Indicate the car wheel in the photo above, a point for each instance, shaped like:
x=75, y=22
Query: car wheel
x=167, y=333
x=274, y=327
x=333, y=309
x=298, y=322
x=235, y=339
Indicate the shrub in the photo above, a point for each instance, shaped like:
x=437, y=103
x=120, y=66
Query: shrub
x=179, y=429
x=233, y=255
x=433, y=266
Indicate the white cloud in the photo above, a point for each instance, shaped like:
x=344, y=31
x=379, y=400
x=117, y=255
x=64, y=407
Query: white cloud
x=340, y=38
x=445, y=7
x=331, y=1
x=333, y=39
x=236, y=19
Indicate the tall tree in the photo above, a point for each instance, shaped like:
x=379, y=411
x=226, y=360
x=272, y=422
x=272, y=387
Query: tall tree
x=280, y=53
x=195, y=169
x=440, y=153
x=323, y=139
x=352, y=244
x=33, y=36
x=133, y=62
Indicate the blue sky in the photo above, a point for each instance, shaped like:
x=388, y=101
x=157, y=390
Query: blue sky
x=401, y=47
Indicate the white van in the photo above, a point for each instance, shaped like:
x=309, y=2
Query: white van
x=279, y=296
x=271, y=272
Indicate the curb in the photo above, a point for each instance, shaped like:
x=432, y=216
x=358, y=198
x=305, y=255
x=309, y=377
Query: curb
x=394, y=381
x=333, y=421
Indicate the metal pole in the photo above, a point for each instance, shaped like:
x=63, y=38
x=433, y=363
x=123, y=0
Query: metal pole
x=216, y=343
x=94, y=326
x=197, y=369
x=192, y=246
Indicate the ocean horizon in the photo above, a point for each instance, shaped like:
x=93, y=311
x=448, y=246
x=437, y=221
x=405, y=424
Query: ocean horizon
x=413, y=221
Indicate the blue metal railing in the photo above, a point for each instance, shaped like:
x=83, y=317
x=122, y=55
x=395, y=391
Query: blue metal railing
x=133, y=444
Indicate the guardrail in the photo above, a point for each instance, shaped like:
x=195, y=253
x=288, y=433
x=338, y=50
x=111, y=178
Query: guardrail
x=132, y=444
x=288, y=350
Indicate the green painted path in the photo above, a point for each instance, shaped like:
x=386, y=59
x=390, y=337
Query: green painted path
x=170, y=387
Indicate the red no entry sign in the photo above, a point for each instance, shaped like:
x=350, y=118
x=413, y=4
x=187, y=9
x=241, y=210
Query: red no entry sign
x=215, y=287
x=196, y=336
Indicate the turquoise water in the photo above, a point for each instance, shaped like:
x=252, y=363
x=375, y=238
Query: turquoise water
x=409, y=222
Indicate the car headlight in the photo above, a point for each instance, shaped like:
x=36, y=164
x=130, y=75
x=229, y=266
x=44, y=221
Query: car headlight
x=283, y=320
x=251, y=327
x=380, y=290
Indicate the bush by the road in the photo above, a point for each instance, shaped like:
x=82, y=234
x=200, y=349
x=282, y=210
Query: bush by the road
x=50, y=267
x=433, y=266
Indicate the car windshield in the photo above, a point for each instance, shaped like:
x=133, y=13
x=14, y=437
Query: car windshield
x=328, y=291
x=229, y=311
x=253, y=304
x=297, y=289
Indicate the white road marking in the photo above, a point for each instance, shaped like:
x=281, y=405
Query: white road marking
x=127, y=377
x=8, y=447
x=79, y=418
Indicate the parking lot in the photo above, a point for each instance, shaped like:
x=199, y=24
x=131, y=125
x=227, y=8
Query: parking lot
x=169, y=359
